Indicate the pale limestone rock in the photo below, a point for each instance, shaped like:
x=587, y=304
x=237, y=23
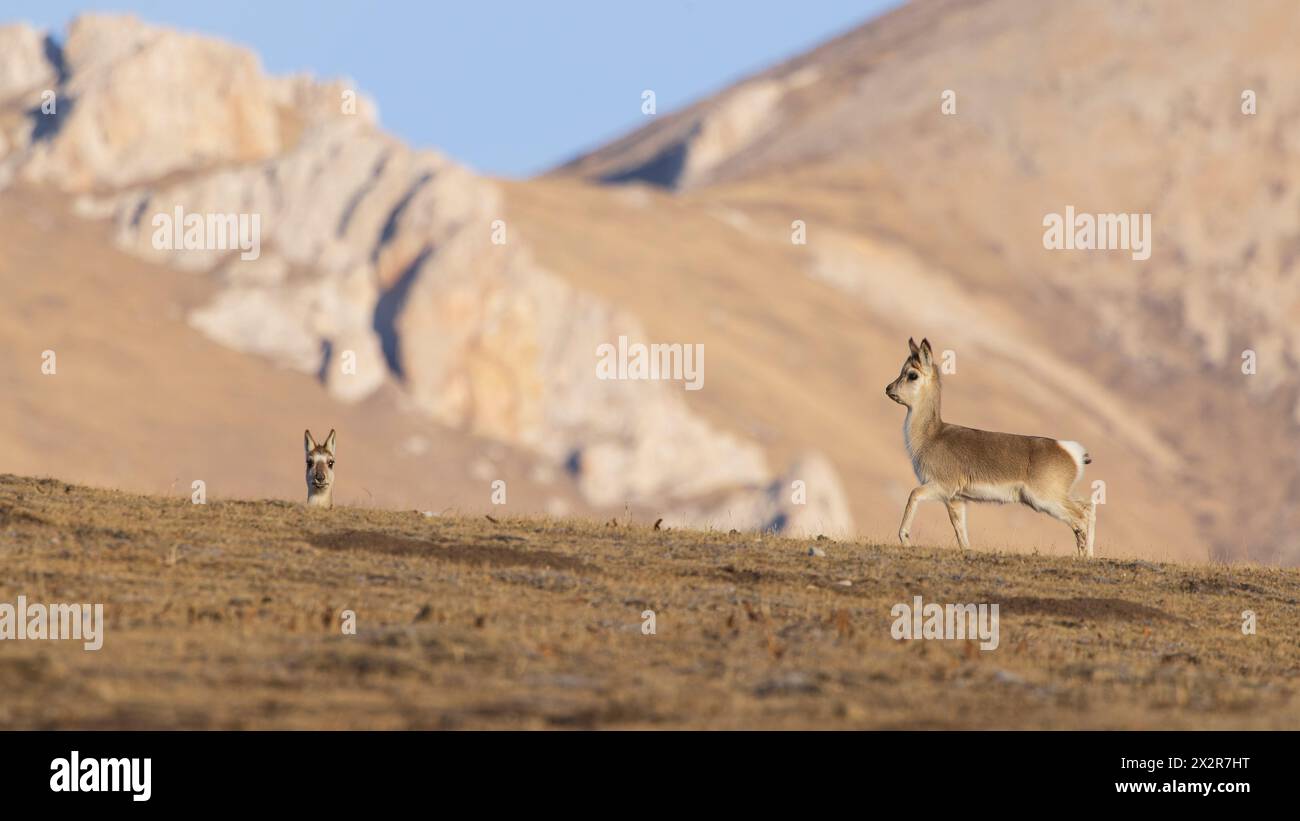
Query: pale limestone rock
x=367, y=355
x=321, y=325
x=356, y=366
x=25, y=73
x=739, y=119
x=97, y=41
x=147, y=101
x=269, y=269
x=314, y=101
x=23, y=64
x=269, y=322
x=690, y=147
x=775, y=506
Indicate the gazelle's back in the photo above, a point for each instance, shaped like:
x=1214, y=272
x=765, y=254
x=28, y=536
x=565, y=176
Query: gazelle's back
x=966, y=458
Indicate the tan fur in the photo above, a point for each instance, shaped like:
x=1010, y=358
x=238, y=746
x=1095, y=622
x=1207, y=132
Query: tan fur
x=320, y=470
x=955, y=464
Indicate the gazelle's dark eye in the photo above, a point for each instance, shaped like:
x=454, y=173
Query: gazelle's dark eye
x=911, y=377
x=331, y=463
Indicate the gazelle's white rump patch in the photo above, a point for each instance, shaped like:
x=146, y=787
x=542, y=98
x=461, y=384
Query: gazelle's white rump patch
x=1078, y=453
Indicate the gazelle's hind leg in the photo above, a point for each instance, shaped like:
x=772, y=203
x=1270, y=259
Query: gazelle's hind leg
x=1071, y=511
x=1092, y=526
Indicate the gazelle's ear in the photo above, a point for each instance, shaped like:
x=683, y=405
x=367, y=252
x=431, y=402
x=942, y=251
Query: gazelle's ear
x=329, y=442
x=307, y=442
x=927, y=355
x=911, y=347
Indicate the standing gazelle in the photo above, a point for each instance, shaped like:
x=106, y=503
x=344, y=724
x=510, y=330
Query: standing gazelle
x=320, y=470
x=956, y=464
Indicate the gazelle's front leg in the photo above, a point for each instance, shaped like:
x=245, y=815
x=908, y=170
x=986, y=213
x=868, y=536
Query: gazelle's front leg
x=920, y=493
x=957, y=515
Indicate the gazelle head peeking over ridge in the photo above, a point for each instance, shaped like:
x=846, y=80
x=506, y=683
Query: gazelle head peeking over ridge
x=320, y=470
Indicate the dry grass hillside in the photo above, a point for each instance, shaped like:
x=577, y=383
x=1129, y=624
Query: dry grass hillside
x=228, y=615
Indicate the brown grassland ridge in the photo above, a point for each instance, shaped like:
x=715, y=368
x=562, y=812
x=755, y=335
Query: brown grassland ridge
x=228, y=615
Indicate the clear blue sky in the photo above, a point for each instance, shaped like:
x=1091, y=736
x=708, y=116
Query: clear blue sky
x=509, y=87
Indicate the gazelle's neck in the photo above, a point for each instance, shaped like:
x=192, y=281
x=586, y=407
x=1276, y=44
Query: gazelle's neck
x=923, y=422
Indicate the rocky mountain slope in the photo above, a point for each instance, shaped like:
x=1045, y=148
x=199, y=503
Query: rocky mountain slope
x=472, y=308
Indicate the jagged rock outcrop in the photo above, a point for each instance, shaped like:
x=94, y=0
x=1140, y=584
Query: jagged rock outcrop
x=25, y=72
x=143, y=101
x=23, y=61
